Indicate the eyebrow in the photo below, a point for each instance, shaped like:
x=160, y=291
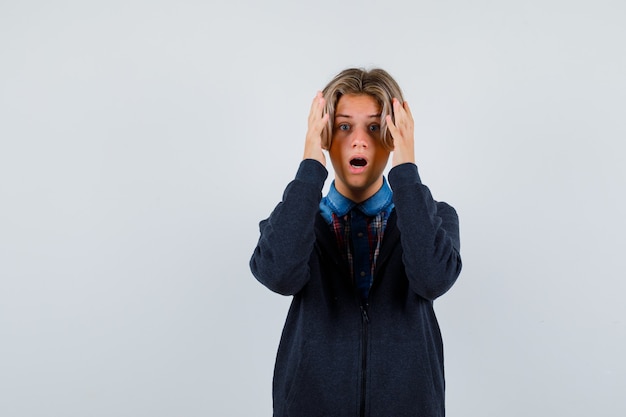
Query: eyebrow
x=347, y=116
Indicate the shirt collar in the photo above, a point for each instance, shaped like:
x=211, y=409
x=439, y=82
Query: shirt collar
x=336, y=203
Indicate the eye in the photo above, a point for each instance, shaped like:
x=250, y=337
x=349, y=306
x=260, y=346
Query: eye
x=344, y=127
x=374, y=128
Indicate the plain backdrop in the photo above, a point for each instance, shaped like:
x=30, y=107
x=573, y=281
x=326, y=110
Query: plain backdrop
x=141, y=142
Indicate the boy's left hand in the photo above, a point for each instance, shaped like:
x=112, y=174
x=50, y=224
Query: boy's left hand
x=402, y=132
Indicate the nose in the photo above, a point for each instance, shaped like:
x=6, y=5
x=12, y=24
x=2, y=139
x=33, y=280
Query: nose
x=361, y=137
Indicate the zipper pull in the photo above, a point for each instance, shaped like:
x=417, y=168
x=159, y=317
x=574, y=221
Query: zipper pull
x=366, y=318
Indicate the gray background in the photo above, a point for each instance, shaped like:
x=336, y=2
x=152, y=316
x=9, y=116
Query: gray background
x=142, y=141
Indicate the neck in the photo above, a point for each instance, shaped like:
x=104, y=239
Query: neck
x=359, y=195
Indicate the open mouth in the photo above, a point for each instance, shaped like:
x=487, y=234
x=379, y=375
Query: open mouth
x=358, y=162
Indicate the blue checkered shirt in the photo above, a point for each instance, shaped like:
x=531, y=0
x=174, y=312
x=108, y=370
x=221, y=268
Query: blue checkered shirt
x=359, y=230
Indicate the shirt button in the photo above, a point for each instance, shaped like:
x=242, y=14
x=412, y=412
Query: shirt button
x=360, y=234
x=362, y=273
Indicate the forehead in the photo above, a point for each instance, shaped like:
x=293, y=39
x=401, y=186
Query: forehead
x=357, y=105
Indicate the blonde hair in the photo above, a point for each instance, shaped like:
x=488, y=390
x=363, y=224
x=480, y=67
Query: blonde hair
x=376, y=83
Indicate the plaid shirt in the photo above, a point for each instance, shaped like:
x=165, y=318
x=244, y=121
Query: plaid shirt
x=359, y=231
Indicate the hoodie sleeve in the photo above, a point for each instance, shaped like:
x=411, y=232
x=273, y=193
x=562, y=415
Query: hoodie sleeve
x=281, y=258
x=429, y=234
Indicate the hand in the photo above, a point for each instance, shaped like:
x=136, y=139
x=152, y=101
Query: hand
x=317, y=121
x=402, y=132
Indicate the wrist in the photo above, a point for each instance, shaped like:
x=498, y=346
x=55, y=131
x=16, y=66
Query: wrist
x=314, y=152
x=400, y=158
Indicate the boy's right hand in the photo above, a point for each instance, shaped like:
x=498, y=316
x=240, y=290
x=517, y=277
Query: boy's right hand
x=317, y=122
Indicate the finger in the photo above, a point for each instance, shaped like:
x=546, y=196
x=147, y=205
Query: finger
x=317, y=108
x=316, y=100
x=407, y=109
x=398, y=109
x=318, y=95
x=392, y=127
x=399, y=115
x=314, y=113
x=318, y=119
x=404, y=117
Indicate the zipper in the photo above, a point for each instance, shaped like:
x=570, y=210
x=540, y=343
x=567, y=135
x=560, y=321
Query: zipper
x=365, y=323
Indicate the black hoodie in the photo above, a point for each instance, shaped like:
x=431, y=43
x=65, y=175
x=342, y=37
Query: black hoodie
x=339, y=357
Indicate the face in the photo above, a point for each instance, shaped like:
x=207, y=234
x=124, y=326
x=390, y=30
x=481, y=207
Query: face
x=356, y=151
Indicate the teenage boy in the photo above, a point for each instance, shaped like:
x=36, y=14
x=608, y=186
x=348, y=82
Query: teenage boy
x=363, y=264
